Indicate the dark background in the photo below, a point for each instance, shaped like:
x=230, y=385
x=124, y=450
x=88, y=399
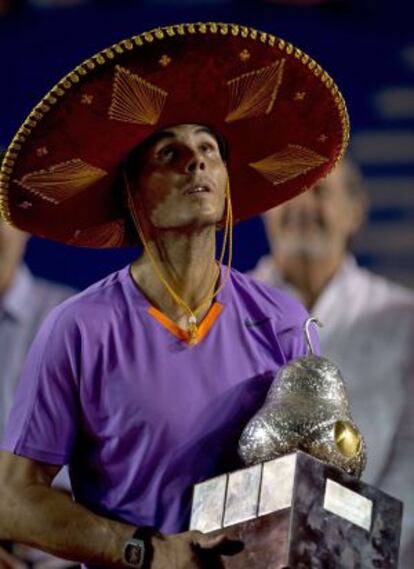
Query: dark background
x=366, y=45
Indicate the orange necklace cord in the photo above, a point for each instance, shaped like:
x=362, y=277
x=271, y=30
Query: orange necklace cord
x=192, y=328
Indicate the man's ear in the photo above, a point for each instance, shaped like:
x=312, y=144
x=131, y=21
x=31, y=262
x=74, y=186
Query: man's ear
x=359, y=212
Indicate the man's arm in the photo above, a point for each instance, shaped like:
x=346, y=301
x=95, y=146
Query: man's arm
x=33, y=513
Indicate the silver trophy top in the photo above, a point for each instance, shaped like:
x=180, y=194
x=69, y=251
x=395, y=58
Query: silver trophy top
x=306, y=409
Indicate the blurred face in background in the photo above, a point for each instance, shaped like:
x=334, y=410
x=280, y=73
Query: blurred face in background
x=319, y=224
x=12, y=248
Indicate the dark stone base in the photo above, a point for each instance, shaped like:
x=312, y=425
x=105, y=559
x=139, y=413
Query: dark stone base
x=265, y=542
x=306, y=535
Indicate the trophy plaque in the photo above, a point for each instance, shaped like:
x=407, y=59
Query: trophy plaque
x=299, y=503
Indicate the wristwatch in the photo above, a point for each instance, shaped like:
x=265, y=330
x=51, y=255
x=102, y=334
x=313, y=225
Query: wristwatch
x=138, y=549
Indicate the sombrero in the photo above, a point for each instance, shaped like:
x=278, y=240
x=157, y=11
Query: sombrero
x=282, y=115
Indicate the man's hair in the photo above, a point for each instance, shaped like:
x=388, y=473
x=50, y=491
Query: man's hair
x=133, y=160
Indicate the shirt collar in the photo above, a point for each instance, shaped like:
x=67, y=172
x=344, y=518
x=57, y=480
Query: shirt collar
x=15, y=301
x=267, y=271
x=337, y=286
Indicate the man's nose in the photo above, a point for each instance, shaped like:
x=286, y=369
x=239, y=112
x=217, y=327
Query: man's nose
x=195, y=162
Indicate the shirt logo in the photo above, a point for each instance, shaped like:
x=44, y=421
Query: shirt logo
x=253, y=323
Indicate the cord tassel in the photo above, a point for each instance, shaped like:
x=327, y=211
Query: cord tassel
x=192, y=330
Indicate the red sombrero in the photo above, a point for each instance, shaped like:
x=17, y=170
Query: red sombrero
x=284, y=119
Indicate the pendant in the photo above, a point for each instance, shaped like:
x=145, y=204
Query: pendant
x=192, y=330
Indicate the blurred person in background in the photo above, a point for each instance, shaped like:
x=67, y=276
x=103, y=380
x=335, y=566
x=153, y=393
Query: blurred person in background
x=368, y=324
x=24, y=302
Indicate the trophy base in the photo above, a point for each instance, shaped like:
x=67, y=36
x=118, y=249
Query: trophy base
x=328, y=519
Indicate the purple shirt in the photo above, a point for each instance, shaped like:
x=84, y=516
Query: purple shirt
x=138, y=414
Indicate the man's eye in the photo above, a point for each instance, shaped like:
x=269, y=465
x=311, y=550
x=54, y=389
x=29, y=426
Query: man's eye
x=207, y=147
x=166, y=153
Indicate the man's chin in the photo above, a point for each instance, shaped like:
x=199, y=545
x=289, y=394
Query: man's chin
x=195, y=224
x=206, y=219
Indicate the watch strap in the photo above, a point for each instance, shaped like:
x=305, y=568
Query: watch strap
x=144, y=534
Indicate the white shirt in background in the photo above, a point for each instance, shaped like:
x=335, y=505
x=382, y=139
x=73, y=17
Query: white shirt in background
x=369, y=334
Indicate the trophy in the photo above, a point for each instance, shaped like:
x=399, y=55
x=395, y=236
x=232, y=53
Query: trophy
x=299, y=502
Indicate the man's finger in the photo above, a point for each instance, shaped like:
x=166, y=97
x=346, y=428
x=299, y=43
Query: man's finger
x=206, y=541
x=220, y=543
x=229, y=547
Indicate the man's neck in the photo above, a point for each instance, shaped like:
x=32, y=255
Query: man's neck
x=307, y=275
x=187, y=263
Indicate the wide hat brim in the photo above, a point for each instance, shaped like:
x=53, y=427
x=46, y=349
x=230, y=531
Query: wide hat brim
x=282, y=115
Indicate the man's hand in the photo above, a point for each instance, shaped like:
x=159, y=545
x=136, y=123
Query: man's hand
x=8, y=561
x=191, y=550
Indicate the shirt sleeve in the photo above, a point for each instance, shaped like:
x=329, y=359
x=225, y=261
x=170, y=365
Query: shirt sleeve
x=44, y=419
x=398, y=477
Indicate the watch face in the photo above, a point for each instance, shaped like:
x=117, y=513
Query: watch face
x=134, y=553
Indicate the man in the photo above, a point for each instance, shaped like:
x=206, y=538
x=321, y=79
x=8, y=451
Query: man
x=24, y=303
x=144, y=382
x=368, y=324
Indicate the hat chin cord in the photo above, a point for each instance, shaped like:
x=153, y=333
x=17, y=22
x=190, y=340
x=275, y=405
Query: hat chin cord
x=192, y=327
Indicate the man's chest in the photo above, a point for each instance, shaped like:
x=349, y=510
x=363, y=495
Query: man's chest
x=159, y=385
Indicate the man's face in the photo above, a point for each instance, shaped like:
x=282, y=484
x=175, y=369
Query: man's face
x=12, y=247
x=181, y=179
x=318, y=223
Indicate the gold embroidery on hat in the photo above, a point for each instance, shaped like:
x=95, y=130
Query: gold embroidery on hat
x=164, y=60
x=25, y=205
x=299, y=96
x=107, y=235
x=42, y=151
x=86, y=99
x=253, y=94
x=244, y=55
x=61, y=181
x=135, y=100
x=288, y=163
x=322, y=138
